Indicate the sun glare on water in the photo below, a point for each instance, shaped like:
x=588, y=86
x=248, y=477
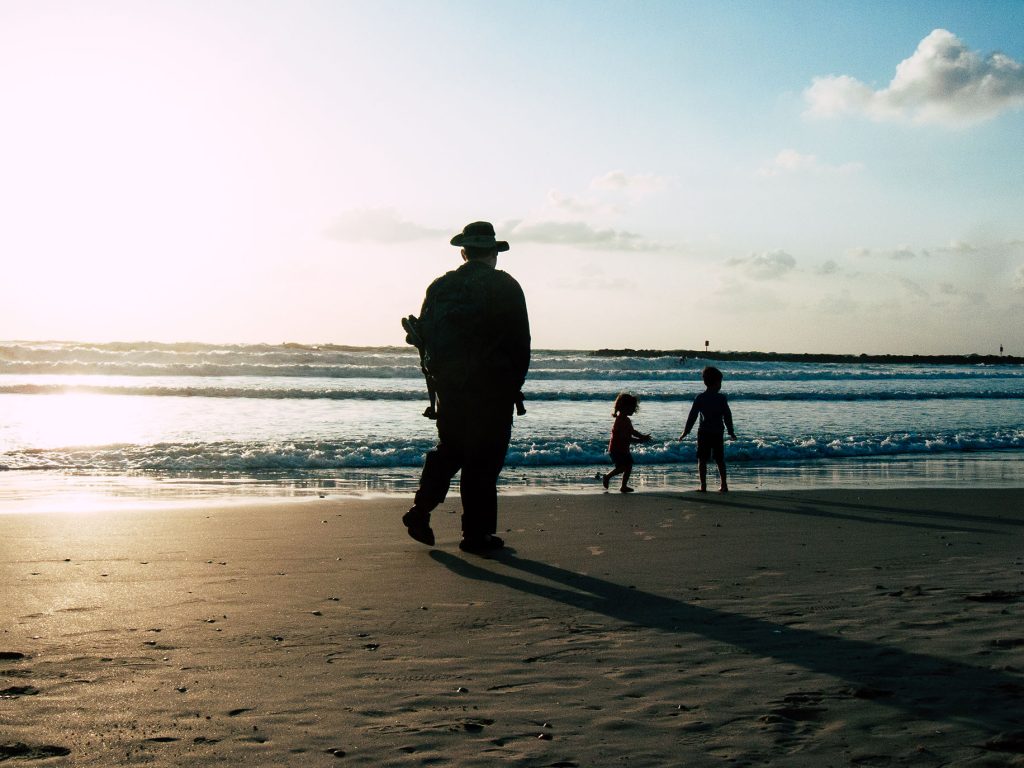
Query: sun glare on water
x=76, y=422
x=76, y=419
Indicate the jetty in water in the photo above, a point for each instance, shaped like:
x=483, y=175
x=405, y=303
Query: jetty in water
x=811, y=357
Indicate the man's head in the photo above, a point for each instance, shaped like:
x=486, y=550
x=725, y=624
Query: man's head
x=478, y=242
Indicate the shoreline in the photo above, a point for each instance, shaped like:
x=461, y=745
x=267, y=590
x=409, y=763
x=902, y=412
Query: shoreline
x=47, y=490
x=800, y=628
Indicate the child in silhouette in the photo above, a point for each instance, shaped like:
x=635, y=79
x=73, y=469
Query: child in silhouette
x=715, y=417
x=623, y=435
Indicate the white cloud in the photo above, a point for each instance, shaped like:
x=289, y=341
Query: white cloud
x=942, y=82
x=974, y=298
x=620, y=181
x=789, y=161
x=958, y=247
x=580, y=234
x=606, y=187
x=580, y=206
x=765, y=266
x=379, y=225
x=900, y=253
x=912, y=287
x=835, y=95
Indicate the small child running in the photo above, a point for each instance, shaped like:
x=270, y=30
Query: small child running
x=623, y=435
x=715, y=418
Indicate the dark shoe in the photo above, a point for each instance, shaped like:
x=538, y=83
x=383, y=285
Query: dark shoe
x=604, y=481
x=485, y=543
x=417, y=524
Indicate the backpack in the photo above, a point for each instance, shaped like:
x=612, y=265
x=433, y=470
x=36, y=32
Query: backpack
x=455, y=331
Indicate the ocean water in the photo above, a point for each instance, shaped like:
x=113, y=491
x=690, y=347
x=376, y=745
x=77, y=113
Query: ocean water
x=101, y=423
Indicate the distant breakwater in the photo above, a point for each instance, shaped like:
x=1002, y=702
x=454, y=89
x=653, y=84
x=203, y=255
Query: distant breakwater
x=805, y=357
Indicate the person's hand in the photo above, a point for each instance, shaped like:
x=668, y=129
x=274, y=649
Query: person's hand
x=732, y=435
x=683, y=436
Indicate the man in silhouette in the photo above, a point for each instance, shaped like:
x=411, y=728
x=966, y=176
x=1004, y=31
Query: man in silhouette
x=474, y=336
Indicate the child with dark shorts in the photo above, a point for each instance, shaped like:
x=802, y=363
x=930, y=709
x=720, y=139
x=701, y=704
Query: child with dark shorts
x=623, y=435
x=715, y=417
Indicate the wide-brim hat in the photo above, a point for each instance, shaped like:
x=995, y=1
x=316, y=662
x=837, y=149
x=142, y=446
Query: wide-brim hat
x=479, y=234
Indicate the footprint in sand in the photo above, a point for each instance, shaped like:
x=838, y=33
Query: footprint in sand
x=796, y=707
x=17, y=691
x=31, y=752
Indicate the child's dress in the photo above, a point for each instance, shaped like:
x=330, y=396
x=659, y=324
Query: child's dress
x=622, y=437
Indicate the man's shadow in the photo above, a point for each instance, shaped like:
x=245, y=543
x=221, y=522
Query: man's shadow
x=925, y=686
x=856, y=512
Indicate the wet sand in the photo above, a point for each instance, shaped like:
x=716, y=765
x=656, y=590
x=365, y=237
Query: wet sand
x=815, y=628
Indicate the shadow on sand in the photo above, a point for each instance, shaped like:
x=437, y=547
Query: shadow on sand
x=924, y=686
x=874, y=514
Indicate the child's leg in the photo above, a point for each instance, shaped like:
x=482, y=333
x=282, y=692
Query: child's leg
x=605, y=478
x=721, y=473
x=627, y=470
x=703, y=454
x=617, y=459
x=720, y=462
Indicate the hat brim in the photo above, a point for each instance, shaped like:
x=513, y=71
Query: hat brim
x=479, y=241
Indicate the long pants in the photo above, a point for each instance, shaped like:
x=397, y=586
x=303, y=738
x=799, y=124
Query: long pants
x=473, y=436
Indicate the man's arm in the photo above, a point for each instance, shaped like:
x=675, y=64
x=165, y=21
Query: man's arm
x=519, y=337
x=508, y=331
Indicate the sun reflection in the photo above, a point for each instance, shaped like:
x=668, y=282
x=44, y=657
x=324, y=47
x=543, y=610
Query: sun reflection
x=77, y=419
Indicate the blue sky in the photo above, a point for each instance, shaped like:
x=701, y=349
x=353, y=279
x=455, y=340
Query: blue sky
x=779, y=176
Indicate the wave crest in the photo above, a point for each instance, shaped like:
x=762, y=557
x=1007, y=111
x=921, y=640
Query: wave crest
x=308, y=455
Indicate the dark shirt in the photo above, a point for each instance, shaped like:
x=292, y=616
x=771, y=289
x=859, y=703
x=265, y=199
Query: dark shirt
x=715, y=416
x=476, y=332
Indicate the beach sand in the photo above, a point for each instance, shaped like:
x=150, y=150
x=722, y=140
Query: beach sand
x=818, y=628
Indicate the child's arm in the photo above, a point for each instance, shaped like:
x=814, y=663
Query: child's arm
x=638, y=437
x=694, y=410
x=727, y=418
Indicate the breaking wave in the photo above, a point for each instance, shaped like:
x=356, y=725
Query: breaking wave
x=300, y=456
